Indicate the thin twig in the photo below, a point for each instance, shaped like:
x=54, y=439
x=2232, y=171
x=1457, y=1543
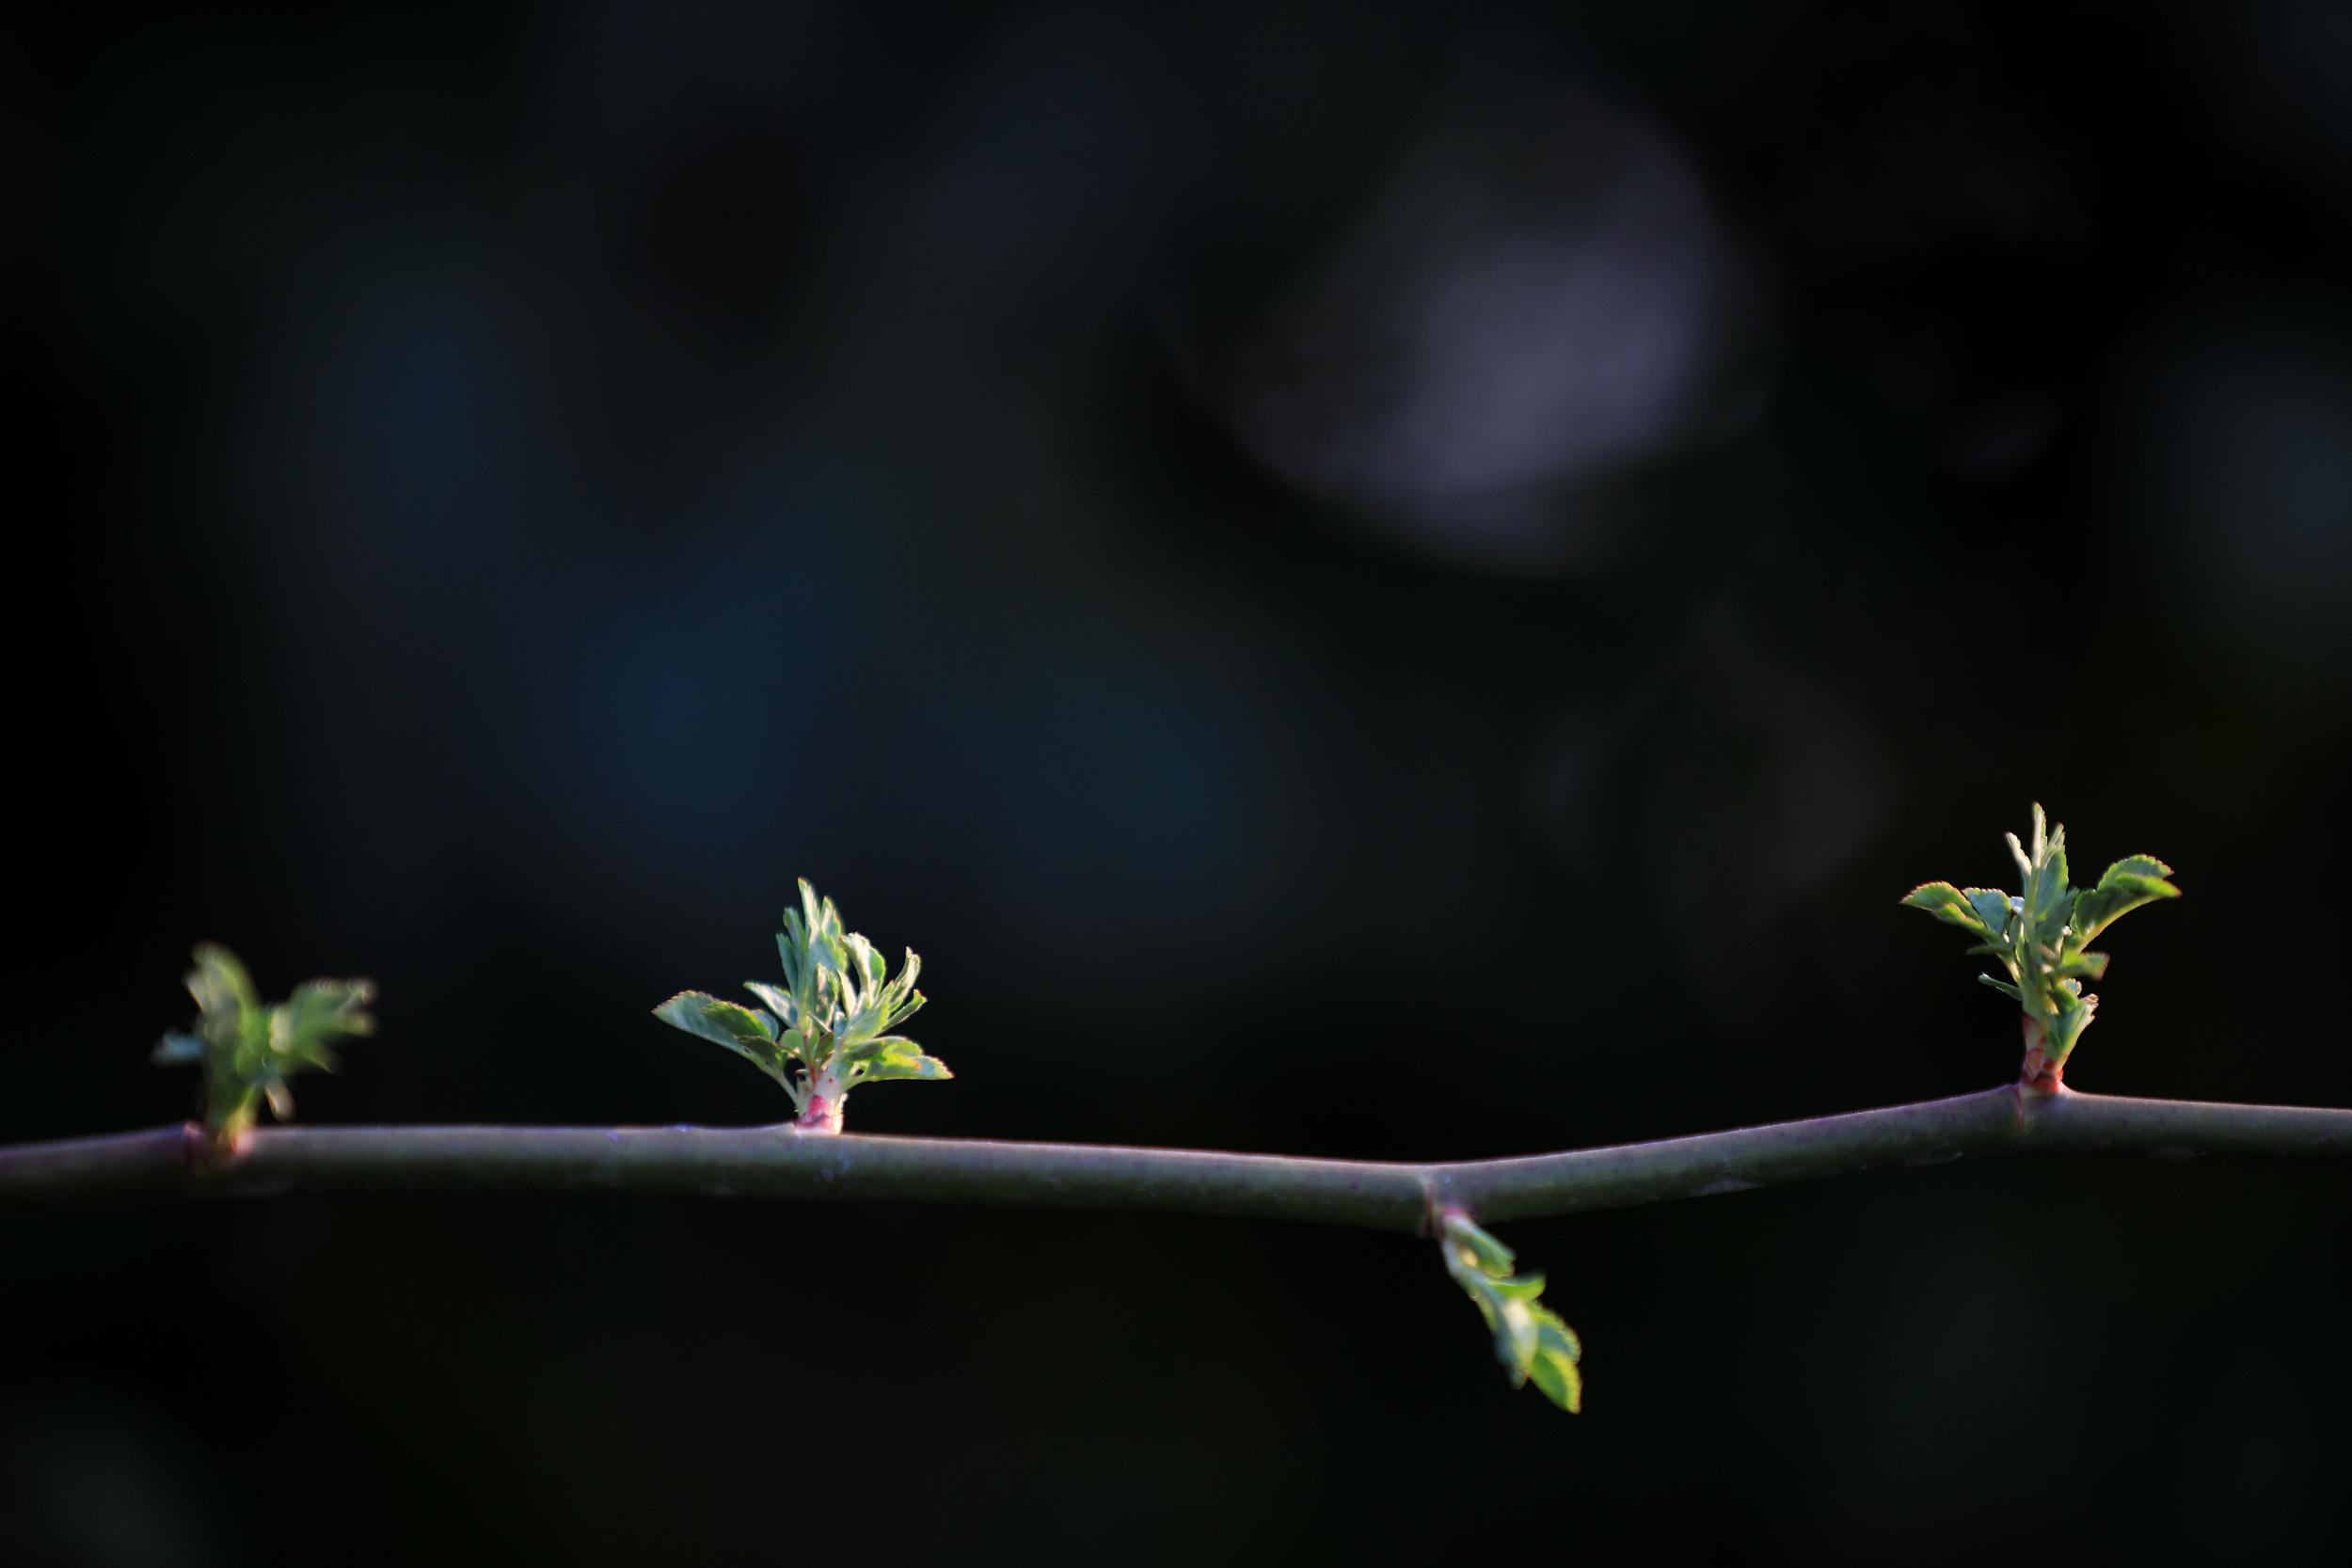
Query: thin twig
x=170, y=1163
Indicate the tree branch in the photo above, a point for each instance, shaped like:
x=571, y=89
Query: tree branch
x=174, y=1163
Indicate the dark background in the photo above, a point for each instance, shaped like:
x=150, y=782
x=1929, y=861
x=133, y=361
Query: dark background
x=1404, y=582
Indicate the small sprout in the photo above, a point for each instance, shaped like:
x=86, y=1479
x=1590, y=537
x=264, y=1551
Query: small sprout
x=2043, y=937
x=826, y=1028
x=1531, y=1341
x=249, y=1051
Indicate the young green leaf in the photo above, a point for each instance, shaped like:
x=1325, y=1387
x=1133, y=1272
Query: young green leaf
x=2134, y=880
x=249, y=1051
x=778, y=998
x=306, y=1025
x=746, y=1031
x=1553, y=1368
x=2041, y=935
x=1994, y=908
x=1947, y=904
x=898, y=1058
x=2047, y=886
x=829, y=1028
x=1531, y=1341
x=224, y=992
x=2084, y=966
x=2072, y=1018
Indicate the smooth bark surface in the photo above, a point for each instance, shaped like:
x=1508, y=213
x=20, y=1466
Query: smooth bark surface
x=172, y=1163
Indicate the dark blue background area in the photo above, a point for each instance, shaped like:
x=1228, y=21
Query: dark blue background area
x=1403, y=583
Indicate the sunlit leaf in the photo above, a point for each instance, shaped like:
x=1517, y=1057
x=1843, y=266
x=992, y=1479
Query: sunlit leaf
x=778, y=999
x=746, y=1031
x=248, y=1052
x=1992, y=907
x=1531, y=1341
x=306, y=1025
x=2048, y=885
x=901, y=1059
x=2134, y=880
x=1554, y=1368
x=2041, y=935
x=2073, y=1015
x=831, y=1017
x=1947, y=904
x=2084, y=966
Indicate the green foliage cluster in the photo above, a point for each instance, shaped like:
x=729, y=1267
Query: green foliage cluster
x=826, y=1028
x=248, y=1050
x=1531, y=1341
x=2041, y=935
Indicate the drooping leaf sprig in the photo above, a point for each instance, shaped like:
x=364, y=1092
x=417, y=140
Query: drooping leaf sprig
x=1531, y=1341
x=2041, y=935
x=248, y=1050
x=826, y=1028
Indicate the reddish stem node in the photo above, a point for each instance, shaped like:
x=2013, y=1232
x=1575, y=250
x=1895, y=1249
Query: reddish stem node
x=2038, y=1073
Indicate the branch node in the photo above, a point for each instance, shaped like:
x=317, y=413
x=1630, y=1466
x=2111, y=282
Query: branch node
x=1434, y=1208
